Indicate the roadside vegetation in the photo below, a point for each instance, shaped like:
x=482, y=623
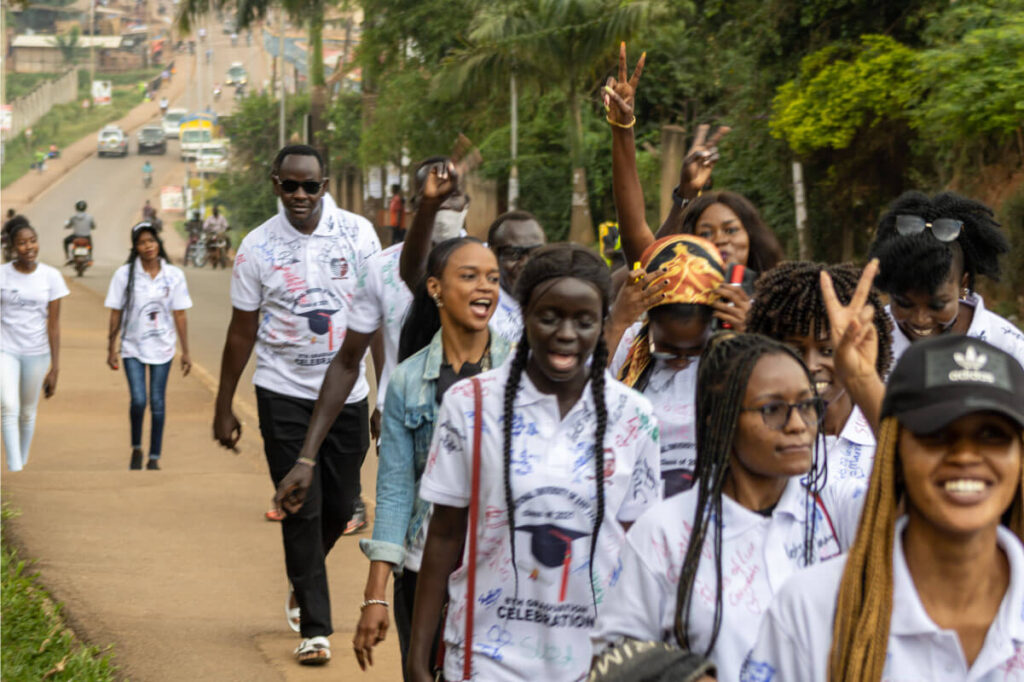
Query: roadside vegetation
x=37, y=644
x=67, y=123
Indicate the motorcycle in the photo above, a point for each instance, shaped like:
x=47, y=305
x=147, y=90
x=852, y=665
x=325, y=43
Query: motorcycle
x=217, y=250
x=81, y=255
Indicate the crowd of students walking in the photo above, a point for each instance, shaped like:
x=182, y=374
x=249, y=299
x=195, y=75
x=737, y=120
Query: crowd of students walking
x=714, y=464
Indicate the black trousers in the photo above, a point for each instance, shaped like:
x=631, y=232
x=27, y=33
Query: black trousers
x=310, y=534
x=405, y=597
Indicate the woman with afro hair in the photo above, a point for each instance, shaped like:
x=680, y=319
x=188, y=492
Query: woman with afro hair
x=931, y=252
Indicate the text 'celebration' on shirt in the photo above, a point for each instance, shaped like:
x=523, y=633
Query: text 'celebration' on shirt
x=149, y=332
x=381, y=301
x=302, y=285
x=24, y=307
x=795, y=639
x=758, y=554
x=533, y=617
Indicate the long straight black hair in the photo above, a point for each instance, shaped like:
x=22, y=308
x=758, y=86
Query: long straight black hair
x=423, y=319
x=133, y=256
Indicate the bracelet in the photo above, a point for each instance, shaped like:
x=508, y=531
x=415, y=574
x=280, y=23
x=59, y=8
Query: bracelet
x=621, y=125
x=306, y=460
x=368, y=602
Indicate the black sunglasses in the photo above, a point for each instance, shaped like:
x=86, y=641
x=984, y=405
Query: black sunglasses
x=514, y=253
x=292, y=186
x=944, y=229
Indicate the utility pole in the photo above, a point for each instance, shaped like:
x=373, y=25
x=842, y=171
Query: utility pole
x=800, y=206
x=280, y=78
x=513, y=173
x=92, y=48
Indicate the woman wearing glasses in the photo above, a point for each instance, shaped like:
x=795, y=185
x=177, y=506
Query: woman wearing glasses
x=699, y=569
x=658, y=357
x=931, y=252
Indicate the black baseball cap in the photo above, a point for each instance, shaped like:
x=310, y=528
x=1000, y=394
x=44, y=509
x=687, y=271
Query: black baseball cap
x=940, y=379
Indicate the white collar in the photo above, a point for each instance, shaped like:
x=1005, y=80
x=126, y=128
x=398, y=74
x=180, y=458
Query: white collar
x=327, y=227
x=857, y=430
x=737, y=519
x=529, y=394
x=908, y=614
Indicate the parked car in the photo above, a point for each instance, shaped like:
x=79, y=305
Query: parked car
x=151, y=140
x=172, y=119
x=213, y=157
x=113, y=141
x=236, y=74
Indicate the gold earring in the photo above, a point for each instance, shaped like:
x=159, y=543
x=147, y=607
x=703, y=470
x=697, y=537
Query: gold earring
x=437, y=300
x=965, y=292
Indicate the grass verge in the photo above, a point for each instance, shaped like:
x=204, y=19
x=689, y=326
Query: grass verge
x=37, y=644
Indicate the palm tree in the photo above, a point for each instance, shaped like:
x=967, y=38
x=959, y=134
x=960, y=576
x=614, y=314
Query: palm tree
x=550, y=43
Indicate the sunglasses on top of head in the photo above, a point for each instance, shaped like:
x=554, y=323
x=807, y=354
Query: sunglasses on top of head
x=292, y=186
x=943, y=229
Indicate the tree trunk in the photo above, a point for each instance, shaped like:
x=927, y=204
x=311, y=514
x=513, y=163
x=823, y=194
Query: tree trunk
x=581, y=227
x=318, y=88
x=800, y=208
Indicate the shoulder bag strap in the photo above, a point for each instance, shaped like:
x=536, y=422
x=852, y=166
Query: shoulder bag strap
x=474, y=518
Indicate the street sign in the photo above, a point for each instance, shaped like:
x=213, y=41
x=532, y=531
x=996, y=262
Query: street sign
x=172, y=198
x=101, y=91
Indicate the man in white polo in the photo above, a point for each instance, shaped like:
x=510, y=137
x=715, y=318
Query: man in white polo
x=291, y=293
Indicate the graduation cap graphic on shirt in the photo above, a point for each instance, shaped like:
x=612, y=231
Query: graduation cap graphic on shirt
x=317, y=306
x=551, y=546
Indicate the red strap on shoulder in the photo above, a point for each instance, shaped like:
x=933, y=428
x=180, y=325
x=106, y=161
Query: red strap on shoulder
x=474, y=517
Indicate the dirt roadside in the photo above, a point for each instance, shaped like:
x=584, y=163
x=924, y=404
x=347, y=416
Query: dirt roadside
x=176, y=568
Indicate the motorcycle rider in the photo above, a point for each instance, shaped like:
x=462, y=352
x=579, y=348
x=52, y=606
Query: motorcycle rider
x=147, y=173
x=164, y=103
x=217, y=225
x=81, y=225
x=194, y=228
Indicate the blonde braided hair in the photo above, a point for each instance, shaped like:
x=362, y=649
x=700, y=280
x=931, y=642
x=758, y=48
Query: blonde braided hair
x=860, y=632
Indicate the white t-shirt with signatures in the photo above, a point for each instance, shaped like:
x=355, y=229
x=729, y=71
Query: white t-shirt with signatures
x=24, y=307
x=302, y=285
x=508, y=318
x=541, y=631
x=149, y=332
x=758, y=554
x=381, y=302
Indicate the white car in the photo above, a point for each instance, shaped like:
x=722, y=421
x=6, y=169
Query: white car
x=172, y=119
x=113, y=141
x=212, y=158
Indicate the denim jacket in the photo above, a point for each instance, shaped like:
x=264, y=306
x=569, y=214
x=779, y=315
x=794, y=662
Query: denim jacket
x=410, y=409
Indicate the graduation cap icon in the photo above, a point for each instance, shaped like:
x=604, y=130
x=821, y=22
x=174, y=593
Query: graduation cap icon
x=551, y=545
x=676, y=481
x=319, y=320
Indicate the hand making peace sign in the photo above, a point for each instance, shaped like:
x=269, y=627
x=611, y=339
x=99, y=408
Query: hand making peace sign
x=853, y=332
x=700, y=160
x=619, y=94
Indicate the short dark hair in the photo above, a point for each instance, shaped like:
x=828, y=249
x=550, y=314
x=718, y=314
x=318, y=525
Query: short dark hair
x=981, y=241
x=395, y=189
x=295, y=150
x=492, y=231
x=765, y=250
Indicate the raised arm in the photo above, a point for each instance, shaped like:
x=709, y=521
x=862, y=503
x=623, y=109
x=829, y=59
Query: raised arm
x=629, y=195
x=441, y=181
x=694, y=174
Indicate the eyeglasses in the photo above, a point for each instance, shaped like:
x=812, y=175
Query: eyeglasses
x=776, y=413
x=944, y=229
x=514, y=253
x=673, y=356
x=292, y=186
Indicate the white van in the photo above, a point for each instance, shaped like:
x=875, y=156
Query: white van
x=172, y=119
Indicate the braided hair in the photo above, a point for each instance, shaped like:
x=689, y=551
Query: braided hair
x=133, y=256
x=921, y=262
x=788, y=302
x=549, y=263
x=725, y=368
x=423, y=319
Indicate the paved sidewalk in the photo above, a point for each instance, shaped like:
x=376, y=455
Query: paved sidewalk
x=25, y=189
x=176, y=568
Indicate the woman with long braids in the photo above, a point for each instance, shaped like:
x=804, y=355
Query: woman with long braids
x=932, y=252
x=788, y=306
x=445, y=338
x=933, y=587
x=699, y=569
x=568, y=458
x=659, y=356
x=147, y=298
x=30, y=294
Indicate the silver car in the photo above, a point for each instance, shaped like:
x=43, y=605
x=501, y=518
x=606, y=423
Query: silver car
x=112, y=141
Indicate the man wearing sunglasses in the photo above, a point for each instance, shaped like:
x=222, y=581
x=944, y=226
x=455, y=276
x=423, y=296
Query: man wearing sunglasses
x=293, y=281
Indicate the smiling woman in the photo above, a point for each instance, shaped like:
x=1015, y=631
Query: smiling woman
x=935, y=593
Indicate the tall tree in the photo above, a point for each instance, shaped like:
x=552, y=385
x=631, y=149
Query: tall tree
x=550, y=44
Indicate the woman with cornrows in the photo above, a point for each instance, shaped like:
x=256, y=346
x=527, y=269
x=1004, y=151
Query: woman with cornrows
x=700, y=569
x=932, y=252
x=445, y=338
x=30, y=294
x=933, y=587
x=147, y=298
x=568, y=458
x=788, y=307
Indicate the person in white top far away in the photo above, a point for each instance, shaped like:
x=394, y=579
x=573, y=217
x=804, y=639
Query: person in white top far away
x=933, y=587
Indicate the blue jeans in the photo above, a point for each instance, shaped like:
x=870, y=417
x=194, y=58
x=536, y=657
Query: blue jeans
x=135, y=370
x=22, y=381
